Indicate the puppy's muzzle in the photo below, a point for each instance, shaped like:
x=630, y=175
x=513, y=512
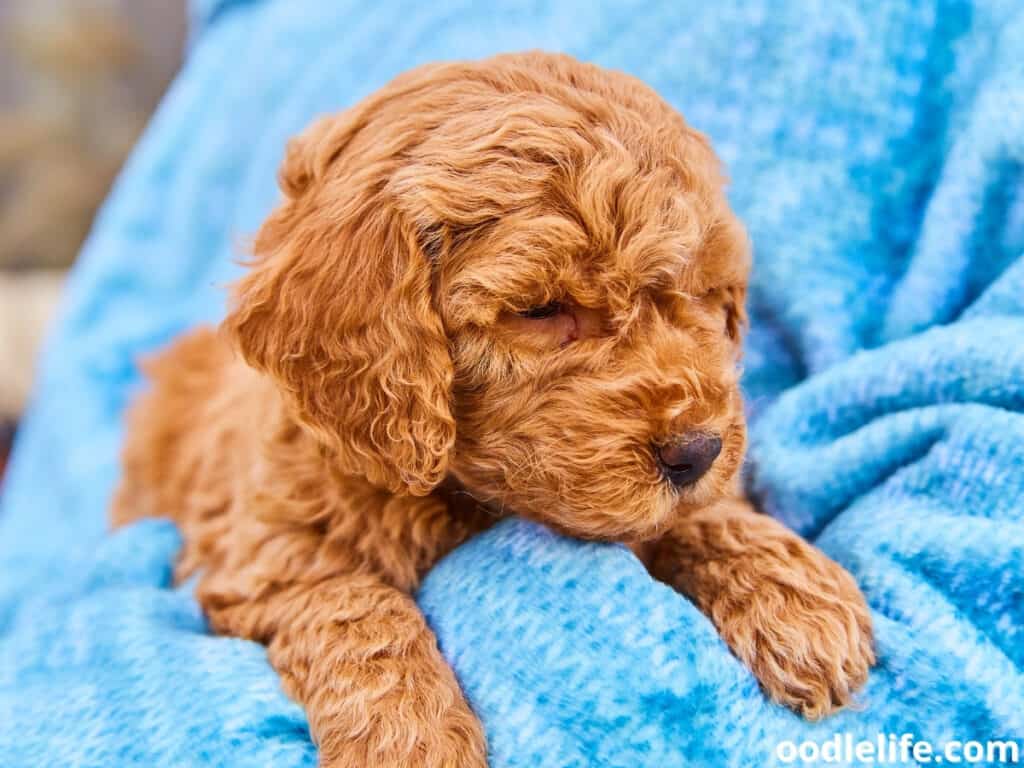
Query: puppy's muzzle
x=686, y=459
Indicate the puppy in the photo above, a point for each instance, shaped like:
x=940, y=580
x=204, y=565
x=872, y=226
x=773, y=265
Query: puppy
x=512, y=286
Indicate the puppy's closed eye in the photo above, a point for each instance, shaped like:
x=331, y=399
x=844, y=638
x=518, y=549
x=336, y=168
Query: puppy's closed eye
x=542, y=312
x=554, y=325
x=548, y=326
x=726, y=302
x=735, y=317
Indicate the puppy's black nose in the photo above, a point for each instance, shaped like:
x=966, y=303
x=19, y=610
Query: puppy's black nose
x=685, y=460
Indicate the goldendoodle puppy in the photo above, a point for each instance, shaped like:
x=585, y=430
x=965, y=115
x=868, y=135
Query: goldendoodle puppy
x=511, y=286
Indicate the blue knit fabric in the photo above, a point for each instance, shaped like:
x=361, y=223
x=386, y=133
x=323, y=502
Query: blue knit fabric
x=876, y=151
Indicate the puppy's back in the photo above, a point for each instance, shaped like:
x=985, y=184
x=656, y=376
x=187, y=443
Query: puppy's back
x=166, y=459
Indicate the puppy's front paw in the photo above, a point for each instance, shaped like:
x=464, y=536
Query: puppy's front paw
x=801, y=624
x=450, y=739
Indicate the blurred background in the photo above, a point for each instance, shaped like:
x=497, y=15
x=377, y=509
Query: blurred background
x=78, y=81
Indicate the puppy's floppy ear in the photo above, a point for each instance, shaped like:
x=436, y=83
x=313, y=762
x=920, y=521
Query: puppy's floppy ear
x=337, y=309
x=308, y=156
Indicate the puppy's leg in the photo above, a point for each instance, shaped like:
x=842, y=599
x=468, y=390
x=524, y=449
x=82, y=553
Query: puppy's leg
x=796, y=618
x=332, y=604
x=358, y=655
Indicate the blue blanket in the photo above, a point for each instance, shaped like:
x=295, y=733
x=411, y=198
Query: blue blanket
x=876, y=151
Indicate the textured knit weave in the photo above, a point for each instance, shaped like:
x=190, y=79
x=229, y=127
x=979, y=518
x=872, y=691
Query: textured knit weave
x=876, y=152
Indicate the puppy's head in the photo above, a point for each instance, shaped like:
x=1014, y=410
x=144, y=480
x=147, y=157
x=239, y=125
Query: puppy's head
x=521, y=273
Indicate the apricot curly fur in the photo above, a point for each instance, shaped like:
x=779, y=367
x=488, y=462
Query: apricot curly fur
x=379, y=393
